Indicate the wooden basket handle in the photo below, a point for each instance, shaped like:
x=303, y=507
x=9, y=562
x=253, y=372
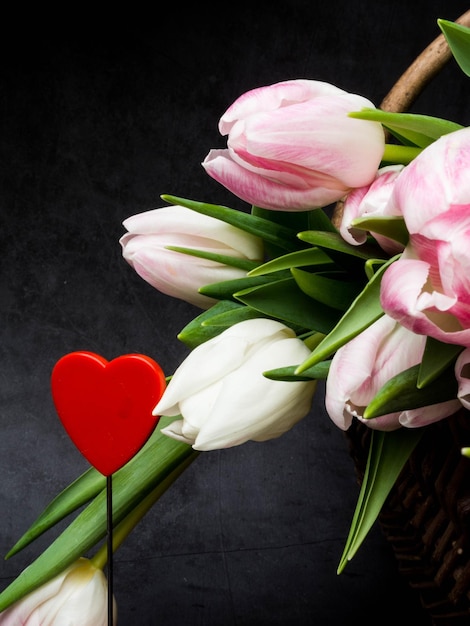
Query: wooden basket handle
x=411, y=83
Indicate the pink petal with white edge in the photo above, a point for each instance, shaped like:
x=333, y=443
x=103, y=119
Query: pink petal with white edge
x=256, y=189
x=404, y=298
x=428, y=414
x=362, y=366
x=272, y=97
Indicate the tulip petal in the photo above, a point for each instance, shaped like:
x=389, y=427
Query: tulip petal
x=263, y=192
x=211, y=361
x=416, y=418
x=250, y=406
x=404, y=296
x=362, y=366
x=272, y=97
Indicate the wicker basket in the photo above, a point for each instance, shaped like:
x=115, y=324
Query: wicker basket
x=426, y=517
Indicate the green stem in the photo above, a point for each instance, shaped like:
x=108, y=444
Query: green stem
x=400, y=154
x=125, y=527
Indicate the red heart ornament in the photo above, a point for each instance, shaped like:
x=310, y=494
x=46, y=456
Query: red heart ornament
x=106, y=406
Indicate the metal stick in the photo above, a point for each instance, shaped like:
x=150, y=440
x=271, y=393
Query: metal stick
x=109, y=517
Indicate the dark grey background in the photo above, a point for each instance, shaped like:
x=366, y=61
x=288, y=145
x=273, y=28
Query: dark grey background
x=98, y=117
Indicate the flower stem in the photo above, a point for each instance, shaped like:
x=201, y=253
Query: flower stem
x=400, y=154
x=124, y=528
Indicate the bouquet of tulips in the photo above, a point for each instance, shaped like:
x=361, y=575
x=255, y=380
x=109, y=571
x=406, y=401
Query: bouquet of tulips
x=375, y=301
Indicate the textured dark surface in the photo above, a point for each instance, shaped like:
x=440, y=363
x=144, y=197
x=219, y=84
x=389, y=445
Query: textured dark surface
x=97, y=119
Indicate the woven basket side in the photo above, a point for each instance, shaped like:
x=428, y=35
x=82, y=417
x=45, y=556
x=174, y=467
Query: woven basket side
x=426, y=517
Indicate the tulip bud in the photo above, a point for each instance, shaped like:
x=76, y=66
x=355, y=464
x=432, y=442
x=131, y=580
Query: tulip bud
x=222, y=395
x=361, y=367
x=371, y=201
x=145, y=248
x=292, y=146
x=77, y=597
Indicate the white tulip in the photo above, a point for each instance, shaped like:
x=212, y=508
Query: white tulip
x=222, y=395
x=76, y=597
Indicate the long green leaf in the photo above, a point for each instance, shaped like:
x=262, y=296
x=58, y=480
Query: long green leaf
x=315, y=219
x=334, y=242
x=317, y=372
x=437, y=357
x=234, y=316
x=421, y=130
x=280, y=236
x=284, y=301
x=300, y=258
x=388, y=453
x=226, y=289
x=458, y=38
x=332, y=292
x=197, y=332
x=401, y=393
x=131, y=484
x=223, y=259
x=363, y=311
x=391, y=227
x=78, y=493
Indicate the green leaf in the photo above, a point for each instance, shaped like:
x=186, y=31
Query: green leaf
x=233, y=316
x=400, y=154
x=317, y=372
x=300, y=258
x=197, y=331
x=150, y=467
x=388, y=454
x=78, y=493
x=284, y=301
x=421, y=130
x=315, y=219
x=364, y=310
x=335, y=293
x=437, y=357
x=458, y=38
x=334, y=242
x=401, y=393
x=224, y=259
x=371, y=266
x=391, y=227
x=226, y=288
x=280, y=236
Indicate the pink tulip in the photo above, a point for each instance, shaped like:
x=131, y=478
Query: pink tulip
x=177, y=274
x=428, y=288
x=77, y=597
x=371, y=201
x=360, y=368
x=292, y=146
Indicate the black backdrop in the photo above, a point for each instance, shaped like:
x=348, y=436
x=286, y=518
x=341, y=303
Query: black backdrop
x=97, y=119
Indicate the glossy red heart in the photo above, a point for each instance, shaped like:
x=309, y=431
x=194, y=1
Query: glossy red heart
x=106, y=406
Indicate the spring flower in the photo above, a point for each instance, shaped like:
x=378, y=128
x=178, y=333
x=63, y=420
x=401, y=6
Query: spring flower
x=77, y=597
x=224, y=398
x=145, y=248
x=371, y=201
x=428, y=288
x=291, y=146
x=361, y=367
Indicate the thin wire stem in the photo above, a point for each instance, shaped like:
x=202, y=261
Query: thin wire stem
x=109, y=545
